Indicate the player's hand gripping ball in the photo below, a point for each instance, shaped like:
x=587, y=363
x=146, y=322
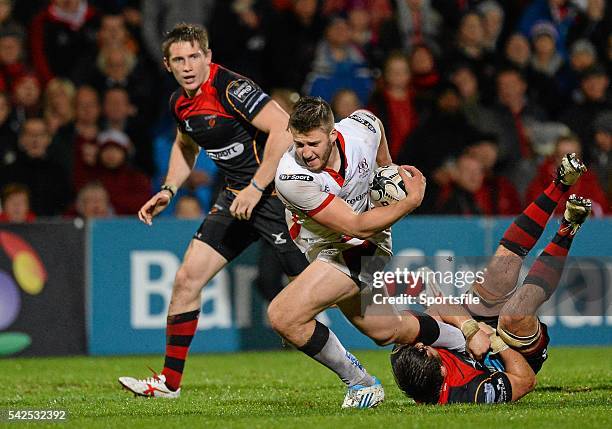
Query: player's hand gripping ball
x=387, y=186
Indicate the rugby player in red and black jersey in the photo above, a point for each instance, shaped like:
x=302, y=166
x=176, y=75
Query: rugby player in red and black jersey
x=518, y=340
x=245, y=133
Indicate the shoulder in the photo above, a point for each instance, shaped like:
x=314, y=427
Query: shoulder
x=361, y=120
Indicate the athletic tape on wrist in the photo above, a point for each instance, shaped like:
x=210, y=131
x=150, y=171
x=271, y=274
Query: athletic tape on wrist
x=469, y=328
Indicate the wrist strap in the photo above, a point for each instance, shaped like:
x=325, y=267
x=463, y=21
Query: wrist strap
x=497, y=344
x=256, y=186
x=170, y=188
x=469, y=329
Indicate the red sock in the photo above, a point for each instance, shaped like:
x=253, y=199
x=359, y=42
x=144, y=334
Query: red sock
x=180, y=330
x=548, y=268
x=527, y=228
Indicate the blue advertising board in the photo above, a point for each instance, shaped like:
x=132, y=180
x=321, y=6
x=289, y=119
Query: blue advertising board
x=132, y=266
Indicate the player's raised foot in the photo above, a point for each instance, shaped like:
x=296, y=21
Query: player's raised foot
x=359, y=396
x=152, y=387
x=570, y=169
x=577, y=210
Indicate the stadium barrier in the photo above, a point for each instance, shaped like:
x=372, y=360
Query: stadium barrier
x=131, y=269
x=42, y=286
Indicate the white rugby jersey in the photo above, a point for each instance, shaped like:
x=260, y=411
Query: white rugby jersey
x=306, y=193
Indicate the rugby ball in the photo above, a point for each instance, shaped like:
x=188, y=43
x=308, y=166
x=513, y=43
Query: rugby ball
x=387, y=186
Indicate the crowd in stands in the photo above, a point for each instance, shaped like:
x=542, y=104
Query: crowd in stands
x=483, y=96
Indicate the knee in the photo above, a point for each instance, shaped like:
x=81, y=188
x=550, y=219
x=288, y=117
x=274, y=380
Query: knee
x=185, y=283
x=277, y=318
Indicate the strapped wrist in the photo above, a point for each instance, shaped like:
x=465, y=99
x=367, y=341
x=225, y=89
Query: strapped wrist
x=256, y=186
x=170, y=188
x=469, y=328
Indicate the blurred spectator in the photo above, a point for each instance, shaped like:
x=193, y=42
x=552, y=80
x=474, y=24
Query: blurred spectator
x=514, y=112
x=59, y=34
x=467, y=177
x=415, y=22
x=12, y=58
x=48, y=183
x=431, y=146
x=601, y=152
x=560, y=13
x=8, y=132
x=424, y=75
x=378, y=10
x=517, y=52
x=343, y=103
x=593, y=100
x=477, y=114
x=93, y=201
x=470, y=49
x=551, y=75
x=582, y=58
x=159, y=16
x=492, y=23
x=15, y=204
x=292, y=40
x=188, y=207
x=393, y=102
x=119, y=114
x=27, y=94
x=6, y=12
x=338, y=64
x=59, y=104
x=497, y=196
x=241, y=25
x=128, y=188
x=587, y=186
x=74, y=145
x=593, y=24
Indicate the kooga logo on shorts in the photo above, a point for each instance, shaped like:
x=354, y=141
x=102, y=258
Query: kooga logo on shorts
x=227, y=152
x=304, y=177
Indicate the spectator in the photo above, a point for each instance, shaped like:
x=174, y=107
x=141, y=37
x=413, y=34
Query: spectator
x=59, y=34
x=593, y=24
x=497, y=196
x=300, y=26
x=241, y=25
x=343, y=103
x=188, y=207
x=393, y=102
x=12, y=61
x=593, y=100
x=601, y=152
x=119, y=114
x=560, y=13
x=128, y=188
x=6, y=18
x=59, y=104
x=551, y=75
x=27, y=102
x=467, y=178
x=582, y=58
x=415, y=22
x=93, y=201
x=587, y=186
x=285, y=97
x=492, y=23
x=15, y=204
x=49, y=186
x=338, y=64
x=8, y=132
x=424, y=76
x=517, y=52
x=74, y=145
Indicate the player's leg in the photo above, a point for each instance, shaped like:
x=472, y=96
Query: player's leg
x=503, y=269
x=518, y=324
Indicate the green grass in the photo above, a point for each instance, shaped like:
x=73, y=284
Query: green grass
x=286, y=390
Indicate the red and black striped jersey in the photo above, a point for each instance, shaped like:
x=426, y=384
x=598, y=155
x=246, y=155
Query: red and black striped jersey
x=469, y=381
x=219, y=121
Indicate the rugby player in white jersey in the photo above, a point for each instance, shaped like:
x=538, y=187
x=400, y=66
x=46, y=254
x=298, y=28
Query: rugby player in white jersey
x=323, y=181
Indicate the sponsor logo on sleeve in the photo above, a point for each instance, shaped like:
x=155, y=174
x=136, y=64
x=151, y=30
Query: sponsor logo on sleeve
x=303, y=177
x=241, y=90
x=359, y=118
x=489, y=393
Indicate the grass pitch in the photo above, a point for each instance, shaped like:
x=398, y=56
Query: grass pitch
x=287, y=390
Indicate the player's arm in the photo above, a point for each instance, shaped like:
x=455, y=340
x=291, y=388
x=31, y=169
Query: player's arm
x=340, y=217
x=182, y=159
x=273, y=120
x=521, y=376
x=477, y=341
x=383, y=157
